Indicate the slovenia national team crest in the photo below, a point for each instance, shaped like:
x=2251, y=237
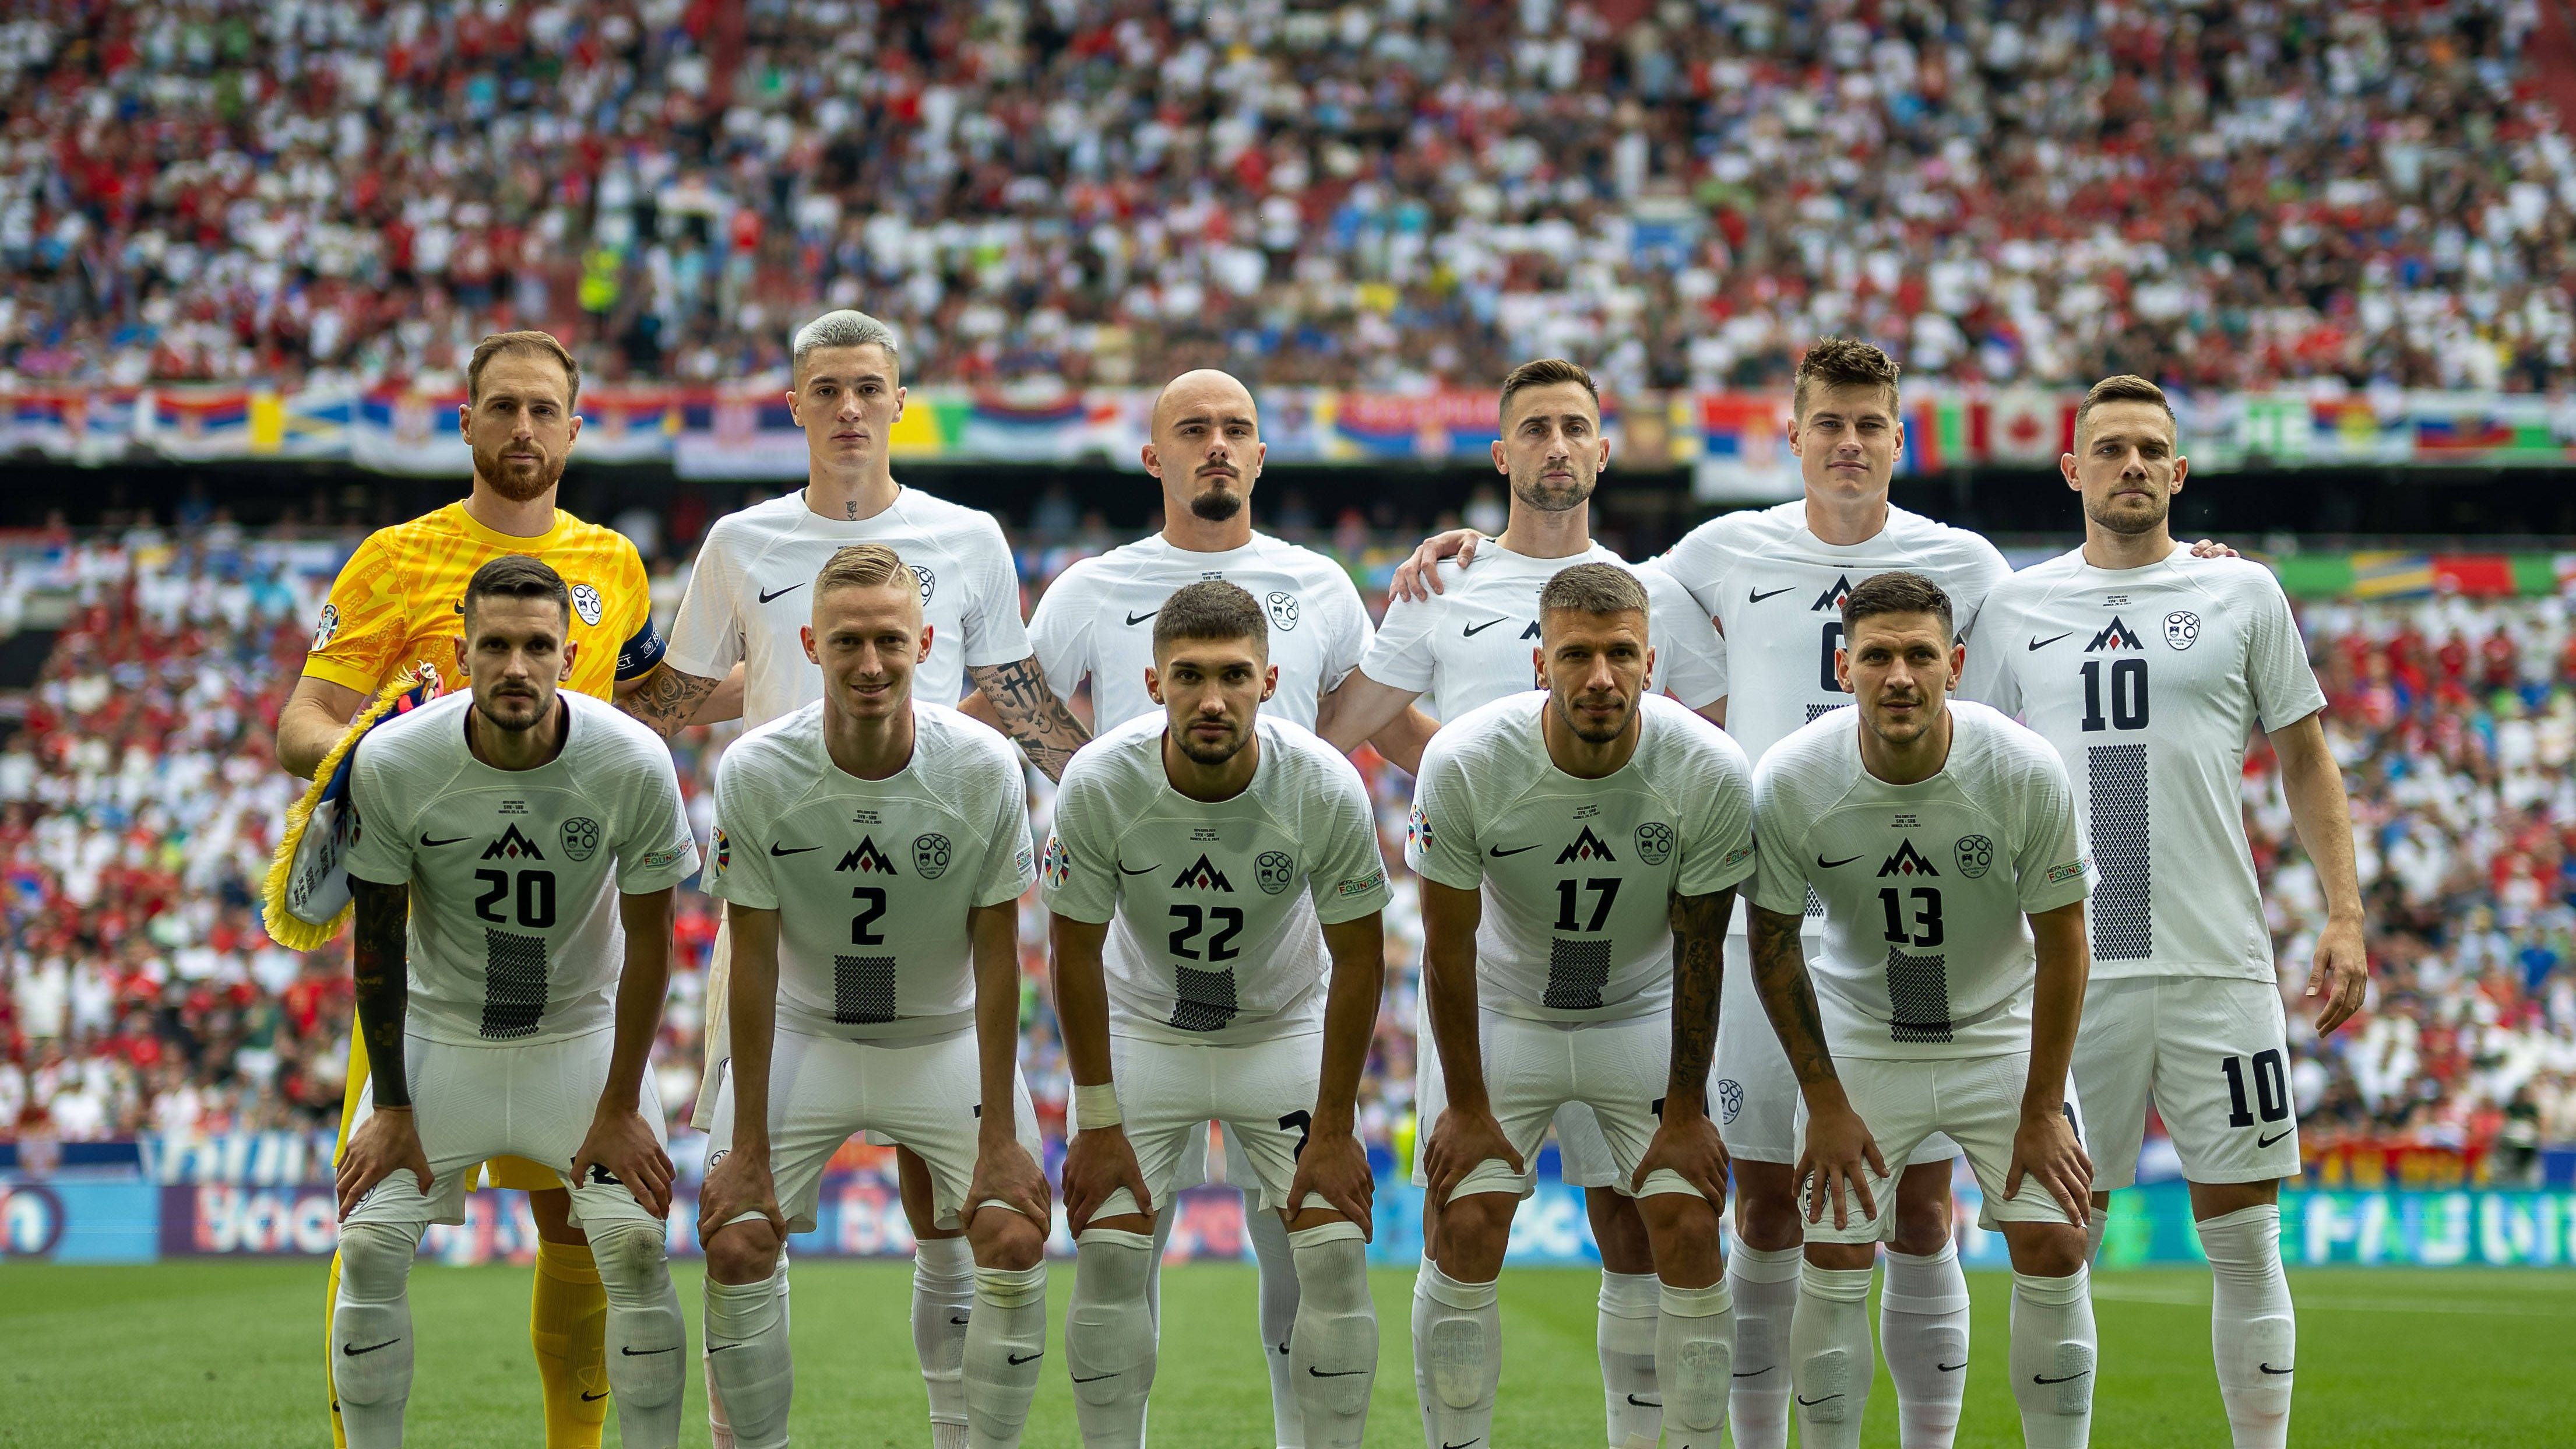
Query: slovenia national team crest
x=929, y=581
x=1654, y=842
x=585, y=602
x=2182, y=628
x=1730, y=1099
x=930, y=856
x=1275, y=870
x=1976, y=855
x=580, y=837
x=1283, y=609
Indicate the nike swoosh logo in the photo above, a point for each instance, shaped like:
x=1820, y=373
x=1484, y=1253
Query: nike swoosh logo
x=1445, y=1444
x=1095, y=1378
x=1149, y=870
x=721, y=1347
x=2261, y=1142
x=1497, y=852
x=1949, y=1368
x=1016, y=1360
x=1283, y=1349
x=1472, y=630
x=1645, y=1403
x=588, y=1397
x=766, y=595
x=352, y=1350
x=1811, y=1403
x=451, y=840
x=2037, y=644
x=2070, y=1378
x=648, y=1352
x=1754, y=598
x=1132, y=621
x=960, y=1322
x=1757, y=1373
x=1830, y=864
x=776, y=849
x=2267, y=1368
x=1337, y=1374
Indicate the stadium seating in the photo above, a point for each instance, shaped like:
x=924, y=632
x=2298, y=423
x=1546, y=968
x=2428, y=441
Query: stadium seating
x=1681, y=193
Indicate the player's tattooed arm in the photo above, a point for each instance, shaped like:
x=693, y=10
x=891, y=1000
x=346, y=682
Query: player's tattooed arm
x=1839, y=1159
x=667, y=700
x=1788, y=996
x=381, y=967
x=1699, y=943
x=1030, y=713
x=1467, y=1132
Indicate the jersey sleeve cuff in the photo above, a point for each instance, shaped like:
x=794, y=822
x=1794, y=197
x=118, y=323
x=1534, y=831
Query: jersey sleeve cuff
x=390, y=878
x=1387, y=666
x=347, y=676
x=1785, y=905
x=2058, y=898
x=1458, y=881
x=1084, y=914
x=645, y=883
x=731, y=890
x=683, y=663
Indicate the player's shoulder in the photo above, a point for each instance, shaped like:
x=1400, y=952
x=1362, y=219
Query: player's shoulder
x=1731, y=536
x=1942, y=546
x=1308, y=567
x=1116, y=757
x=428, y=736
x=1824, y=750
x=1306, y=753
x=964, y=744
x=1998, y=746
x=2031, y=587
x=1492, y=734
x=1680, y=737
x=609, y=731
x=781, y=746
x=2229, y=580
x=929, y=511
x=749, y=529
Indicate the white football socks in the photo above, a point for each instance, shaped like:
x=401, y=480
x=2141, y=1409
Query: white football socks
x=1764, y=1284
x=1923, y=1332
x=1109, y=1337
x=1458, y=1337
x=943, y=1301
x=1633, y=1405
x=371, y=1323
x=999, y=1362
x=1333, y=1346
x=1829, y=1355
x=1276, y=1255
x=2253, y=1331
x=2053, y=1358
x=748, y=1361
x=1695, y=1362
x=647, y=1339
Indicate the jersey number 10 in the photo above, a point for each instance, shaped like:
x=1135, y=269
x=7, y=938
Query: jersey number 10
x=2128, y=694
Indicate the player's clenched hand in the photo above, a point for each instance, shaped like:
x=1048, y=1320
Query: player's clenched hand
x=1098, y=1162
x=1460, y=1140
x=2044, y=1147
x=1688, y=1146
x=1334, y=1167
x=1417, y=579
x=384, y=1144
x=739, y=1183
x=1005, y=1173
x=621, y=1144
x=1843, y=1159
x=2341, y=974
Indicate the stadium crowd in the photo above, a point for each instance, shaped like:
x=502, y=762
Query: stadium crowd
x=1393, y=195
x=139, y=803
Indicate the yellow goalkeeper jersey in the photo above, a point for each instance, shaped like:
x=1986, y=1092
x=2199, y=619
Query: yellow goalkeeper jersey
x=401, y=597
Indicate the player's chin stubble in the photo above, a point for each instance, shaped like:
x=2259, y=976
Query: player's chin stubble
x=517, y=485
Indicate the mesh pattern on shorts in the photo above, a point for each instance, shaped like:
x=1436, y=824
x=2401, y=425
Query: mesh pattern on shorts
x=2123, y=904
x=1205, y=999
x=1576, y=972
x=514, y=984
x=862, y=989
x=1918, y=996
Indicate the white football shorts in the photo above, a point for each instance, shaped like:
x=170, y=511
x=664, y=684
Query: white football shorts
x=1975, y=1100
x=2211, y=1054
x=1263, y=1092
x=1533, y=1068
x=1752, y=1094
x=1584, y=1158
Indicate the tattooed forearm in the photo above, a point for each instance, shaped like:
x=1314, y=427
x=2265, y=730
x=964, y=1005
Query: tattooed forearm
x=1788, y=996
x=384, y=989
x=1030, y=713
x=666, y=699
x=1699, y=936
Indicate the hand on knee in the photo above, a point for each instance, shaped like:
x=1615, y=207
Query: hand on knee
x=1686, y=1235
x=743, y=1252
x=1474, y=1231
x=1004, y=1238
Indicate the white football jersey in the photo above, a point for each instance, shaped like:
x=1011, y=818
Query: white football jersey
x=752, y=592
x=1219, y=906
x=514, y=874
x=872, y=880
x=1776, y=591
x=1927, y=949
x=1579, y=875
x=2150, y=681
x=1471, y=645
x=1097, y=619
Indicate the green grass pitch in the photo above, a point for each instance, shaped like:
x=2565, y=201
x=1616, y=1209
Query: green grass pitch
x=221, y=1354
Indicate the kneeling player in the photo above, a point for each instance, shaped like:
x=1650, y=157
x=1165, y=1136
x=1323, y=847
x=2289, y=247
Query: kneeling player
x=871, y=850
x=1929, y=830
x=1206, y=860
x=543, y=835
x=1579, y=852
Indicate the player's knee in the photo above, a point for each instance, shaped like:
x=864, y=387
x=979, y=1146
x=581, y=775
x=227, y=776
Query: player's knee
x=1766, y=1209
x=2049, y=1252
x=744, y=1252
x=375, y=1259
x=1922, y=1217
x=630, y=1257
x=1477, y=1226
x=1686, y=1234
x=1006, y=1239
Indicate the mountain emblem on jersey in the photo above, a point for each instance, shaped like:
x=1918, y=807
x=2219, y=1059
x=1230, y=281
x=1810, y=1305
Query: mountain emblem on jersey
x=580, y=838
x=1283, y=609
x=513, y=846
x=1276, y=870
x=1907, y=861
x=1654, y=842
x=1586, y=846
x=2115, y=635
x=1832, y=598
x=865, y=858
x=2182, y=628
x=1203, y=875
x=1975, y=855
x=930, y=855
x=1531, y=632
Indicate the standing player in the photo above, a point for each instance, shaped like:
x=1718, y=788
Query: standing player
x=2149, y=669
x=746, y=606
x=1600, y=831
x=1096, y=622
x=1469, y=645
x=872, y=850
x=396, y=602
x=1205, y=861
x=1929, y=831
x=543, y=832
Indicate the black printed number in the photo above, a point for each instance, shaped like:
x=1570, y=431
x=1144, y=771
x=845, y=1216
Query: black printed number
x=1925, y=931
x=2128, y=694
x=1189, y=922
x=535, y=893
x=1606, y=889
x=2271, y=1089
x=872, y=900
x=1826, y=679
x=1302, y=1123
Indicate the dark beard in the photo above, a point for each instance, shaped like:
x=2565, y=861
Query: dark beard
x=1553, y=498
x=489, y=467
x=2133, y=524
x=1198, y=754
x=1216, y=505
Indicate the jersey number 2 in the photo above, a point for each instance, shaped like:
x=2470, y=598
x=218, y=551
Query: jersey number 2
x=1189, y=922
x=536, y=897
